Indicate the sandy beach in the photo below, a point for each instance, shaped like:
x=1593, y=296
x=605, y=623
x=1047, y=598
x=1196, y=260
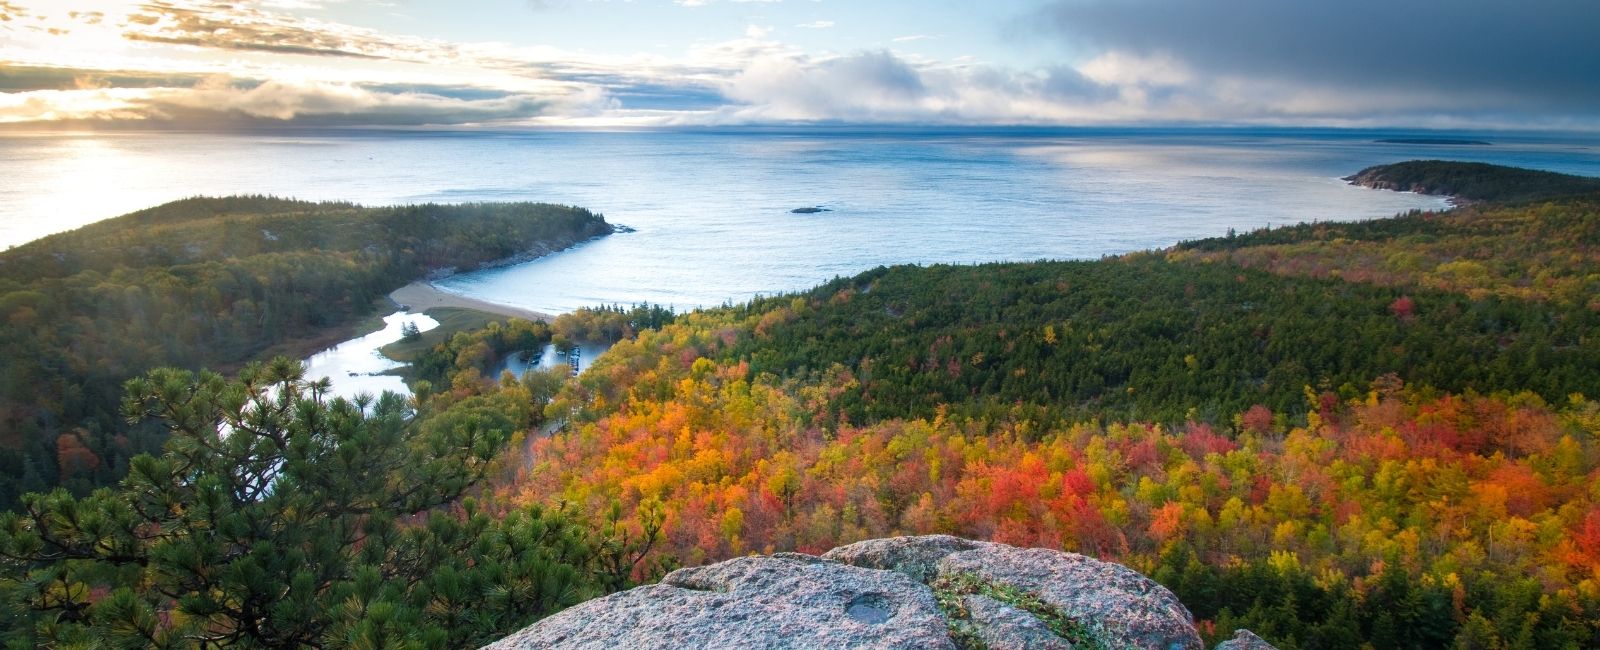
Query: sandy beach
x=422, y=296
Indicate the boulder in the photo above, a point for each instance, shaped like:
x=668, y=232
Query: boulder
x=783, y=601
x=1245, y=640
x=934, y=591
x=1119, y=607
x=917, y=557
x=1000, y=625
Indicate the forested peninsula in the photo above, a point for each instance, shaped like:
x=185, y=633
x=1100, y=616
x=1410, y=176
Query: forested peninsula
x=209, y=282
x=1474, y=181
x=1377, y=434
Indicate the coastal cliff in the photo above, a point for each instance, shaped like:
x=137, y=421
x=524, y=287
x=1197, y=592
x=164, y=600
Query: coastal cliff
x=933, y=591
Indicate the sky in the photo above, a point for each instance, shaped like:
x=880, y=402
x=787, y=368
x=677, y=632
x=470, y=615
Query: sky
x=252, y=64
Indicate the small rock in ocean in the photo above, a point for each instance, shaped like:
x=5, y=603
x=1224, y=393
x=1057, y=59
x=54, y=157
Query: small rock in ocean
x=810, y=210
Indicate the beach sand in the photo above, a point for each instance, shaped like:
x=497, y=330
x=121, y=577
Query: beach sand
x=422, y=296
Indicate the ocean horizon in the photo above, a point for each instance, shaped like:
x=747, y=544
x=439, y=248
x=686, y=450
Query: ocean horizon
x=712, y=208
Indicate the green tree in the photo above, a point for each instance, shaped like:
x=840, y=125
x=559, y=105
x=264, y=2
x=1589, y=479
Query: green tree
x=1477, y=634
x=212, y=282
x=278, y=518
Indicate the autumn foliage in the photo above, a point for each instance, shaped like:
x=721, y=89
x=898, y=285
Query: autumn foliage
x=1456, y=490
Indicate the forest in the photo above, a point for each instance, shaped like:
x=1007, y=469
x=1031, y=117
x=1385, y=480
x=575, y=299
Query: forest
x=1382, y=434
x=208, y=282
x=275, y=517
x=1326, y=433
x=1470, y=182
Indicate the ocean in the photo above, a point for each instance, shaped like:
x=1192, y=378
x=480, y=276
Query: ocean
x=711, y=210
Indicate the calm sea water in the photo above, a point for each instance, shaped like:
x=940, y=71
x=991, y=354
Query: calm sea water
x=712, y=209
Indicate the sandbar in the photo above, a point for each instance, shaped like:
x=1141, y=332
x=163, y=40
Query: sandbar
x=421, y=296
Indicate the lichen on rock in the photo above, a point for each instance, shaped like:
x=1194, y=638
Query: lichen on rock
x=983, y=615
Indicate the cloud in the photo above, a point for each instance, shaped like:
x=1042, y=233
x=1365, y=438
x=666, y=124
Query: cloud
x=1123, y=69
x=10, y=12
x=1115, y=88
x=16, y=78
x=284, y=70
x=1536, y=56
x=881, y=87
x=253, y=63
x=225, y=102
x=702, y=3
x=870, y=85
x=238, y=27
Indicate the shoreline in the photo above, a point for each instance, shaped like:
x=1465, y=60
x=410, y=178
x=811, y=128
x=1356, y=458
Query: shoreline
x=420, y=296
x=1452, y=200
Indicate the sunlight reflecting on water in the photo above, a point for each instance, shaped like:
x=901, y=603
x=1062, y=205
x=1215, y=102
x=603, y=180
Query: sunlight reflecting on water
x=355, y=366
x=712, y=209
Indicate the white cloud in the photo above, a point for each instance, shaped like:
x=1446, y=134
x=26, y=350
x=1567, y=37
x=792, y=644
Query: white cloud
x=872, y=85
x=1123, y=69
x=219, y=101
x=816, y=24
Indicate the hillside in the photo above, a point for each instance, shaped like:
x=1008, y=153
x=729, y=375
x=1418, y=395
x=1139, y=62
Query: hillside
x=1473, y=181
x=1327, y=458
x=208, y=282
x=1329, y=434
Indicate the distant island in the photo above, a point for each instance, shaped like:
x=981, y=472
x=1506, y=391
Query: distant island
x=1451, y=141
x=809, y=210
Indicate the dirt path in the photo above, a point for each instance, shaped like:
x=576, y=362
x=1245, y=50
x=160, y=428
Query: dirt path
x=422, y=296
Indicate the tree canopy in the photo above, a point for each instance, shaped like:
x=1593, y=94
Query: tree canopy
x=208, y=282
x=277, y=517
x=1474, y=181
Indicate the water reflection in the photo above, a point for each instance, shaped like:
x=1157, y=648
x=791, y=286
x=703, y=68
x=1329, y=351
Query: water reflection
x=519, y=363
x=356, y=366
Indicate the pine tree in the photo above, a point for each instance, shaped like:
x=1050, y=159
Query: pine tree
x=278, y=518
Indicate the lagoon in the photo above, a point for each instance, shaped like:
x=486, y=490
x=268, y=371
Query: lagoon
x=356, y=367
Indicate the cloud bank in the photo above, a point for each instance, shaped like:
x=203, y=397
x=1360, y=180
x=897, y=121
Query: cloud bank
x=1442, y=63
x=1440, y=58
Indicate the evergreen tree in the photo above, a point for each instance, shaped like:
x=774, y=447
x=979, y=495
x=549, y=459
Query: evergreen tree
x=278, y=518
